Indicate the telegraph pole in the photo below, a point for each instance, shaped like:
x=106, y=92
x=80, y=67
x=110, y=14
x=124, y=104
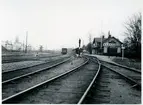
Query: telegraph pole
x=26, y=41
x=90, y=44
x=79, y=42
x=23, y=45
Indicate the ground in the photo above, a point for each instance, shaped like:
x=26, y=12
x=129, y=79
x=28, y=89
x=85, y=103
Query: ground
x=128, y=62
x=133, y=63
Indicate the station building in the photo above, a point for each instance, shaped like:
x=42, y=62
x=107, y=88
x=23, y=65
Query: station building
x=107, y=46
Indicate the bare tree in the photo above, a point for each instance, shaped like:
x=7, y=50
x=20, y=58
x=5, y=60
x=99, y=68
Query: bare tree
x=89, y=45
x=133, y=33
x=41, y=48
x=89, y=48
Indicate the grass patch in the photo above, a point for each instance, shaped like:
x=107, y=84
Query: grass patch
x=133, y=63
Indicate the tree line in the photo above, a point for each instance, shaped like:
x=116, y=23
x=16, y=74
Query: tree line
x=132, y=32
x=132, y=41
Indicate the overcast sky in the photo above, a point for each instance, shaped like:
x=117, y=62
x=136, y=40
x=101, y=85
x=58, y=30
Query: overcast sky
x=60, y=23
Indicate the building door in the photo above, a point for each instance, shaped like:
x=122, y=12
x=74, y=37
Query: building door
x=112, y=51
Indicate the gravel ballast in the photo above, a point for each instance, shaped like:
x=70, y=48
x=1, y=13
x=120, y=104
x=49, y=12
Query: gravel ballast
x=19, y=56
x=26, y=82
x=111, y=88
x=19, y=65
x=65, y=90
x=20, y=72
x=129, y=73
x=23, y=64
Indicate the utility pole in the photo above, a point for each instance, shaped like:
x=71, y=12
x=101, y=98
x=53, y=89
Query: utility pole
x=23, y=46
x=79, y=42
x=26, y=41
x=90, y=44
x=101, y=34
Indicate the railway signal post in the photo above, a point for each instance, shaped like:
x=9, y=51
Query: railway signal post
x=79, y=46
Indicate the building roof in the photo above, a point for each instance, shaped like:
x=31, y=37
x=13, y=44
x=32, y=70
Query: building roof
x=105, y=40
x=113, y=38
x=98, y=39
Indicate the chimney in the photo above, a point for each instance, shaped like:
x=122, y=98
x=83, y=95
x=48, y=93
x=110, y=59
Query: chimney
x=109, y=35
x=102, y=37
x=94, y=41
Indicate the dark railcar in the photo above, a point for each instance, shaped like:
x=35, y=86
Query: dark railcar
x=64, y=51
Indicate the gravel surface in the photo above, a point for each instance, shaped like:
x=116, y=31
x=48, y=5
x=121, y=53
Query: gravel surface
x=66, y=90
x=17, y=57
x=26, y=82
x=16, y=54
x=16, y=73
x=19, y=65
x=132, y=74
x=128, y=62
x=113, y=59
x=102, y=57
x=23, y=64
x=111, y=88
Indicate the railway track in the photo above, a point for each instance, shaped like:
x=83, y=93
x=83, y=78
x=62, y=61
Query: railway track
x=47, y=60
x=15, y=74
x=111, y=87
x=122, y=66
x=132, y=75
x=88, y=83
x=17, y=87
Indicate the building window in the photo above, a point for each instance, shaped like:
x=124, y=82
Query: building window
x=119, y=50
x=112, y=41
x=105, y=49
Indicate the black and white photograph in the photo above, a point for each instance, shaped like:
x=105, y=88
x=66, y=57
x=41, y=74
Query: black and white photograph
x=71, y=51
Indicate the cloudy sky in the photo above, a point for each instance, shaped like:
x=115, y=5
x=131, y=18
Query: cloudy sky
x=60, y=23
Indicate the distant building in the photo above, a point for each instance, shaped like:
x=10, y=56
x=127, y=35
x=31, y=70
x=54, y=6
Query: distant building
x=17, y=45
x=29, y=48
x=4, y=49
x=8, y=45
x=41, y=48
x=106, y=46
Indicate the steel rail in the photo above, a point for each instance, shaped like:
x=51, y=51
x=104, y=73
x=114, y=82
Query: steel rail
x=133, y=69
x=123, y=66
x=6, y=100
x=49, y=67
x=90, y=85
x=132, y=80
